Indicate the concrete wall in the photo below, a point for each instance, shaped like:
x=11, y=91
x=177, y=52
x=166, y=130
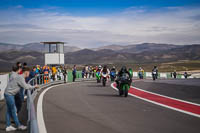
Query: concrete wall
x=54, y=58
x=3, y=84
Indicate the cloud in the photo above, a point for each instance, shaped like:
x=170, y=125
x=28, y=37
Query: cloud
x=176, y=25
x=18, y=6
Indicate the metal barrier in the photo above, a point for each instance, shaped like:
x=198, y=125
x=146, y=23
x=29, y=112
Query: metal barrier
x=40, y=80
x=43, y=81
x=32, y=121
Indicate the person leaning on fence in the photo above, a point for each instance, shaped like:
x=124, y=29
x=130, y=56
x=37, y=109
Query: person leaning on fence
x=15, y=82
x=19, y=97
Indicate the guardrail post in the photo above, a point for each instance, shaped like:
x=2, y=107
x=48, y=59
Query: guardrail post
x=42, y=79
x=39, y=79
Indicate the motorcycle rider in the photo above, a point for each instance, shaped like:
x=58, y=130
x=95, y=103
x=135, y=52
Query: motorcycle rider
x=98, y=75
x=105, y=70
x=121, y=73
x=113, y=69
x=105, y=73
x=155, y=73
x=113, y=73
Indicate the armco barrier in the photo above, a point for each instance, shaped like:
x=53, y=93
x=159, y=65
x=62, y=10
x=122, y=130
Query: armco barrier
x=31, y=94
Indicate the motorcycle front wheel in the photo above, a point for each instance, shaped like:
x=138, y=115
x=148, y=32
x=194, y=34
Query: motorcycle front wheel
x=104, y=82
x=126, y=91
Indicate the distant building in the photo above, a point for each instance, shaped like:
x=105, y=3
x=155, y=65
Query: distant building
x=54, y=53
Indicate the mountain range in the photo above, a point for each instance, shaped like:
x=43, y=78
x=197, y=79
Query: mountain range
x=31, y=47
x=32, y=53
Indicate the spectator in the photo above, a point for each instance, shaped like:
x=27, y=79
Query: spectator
x=86, y=71
x=74, y=73
x=31, y=75
x=83, y=72
x=185, y=75
x=155, y=73
x=46, y=71
x=54, y=71
x=19, y=97
x=141, y=73
x=59, y=71
x=174, y=74
x=65, y=74
x=171, y=74
x=19, y=64
x=24, y=64
x=90, y=71
x=15, y=82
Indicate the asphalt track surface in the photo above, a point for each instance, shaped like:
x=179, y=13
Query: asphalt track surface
x=188, y=89
x=87, y=107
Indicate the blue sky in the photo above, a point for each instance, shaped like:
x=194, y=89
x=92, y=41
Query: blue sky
x=97, y=3
x=93, y=23
x=86, y=7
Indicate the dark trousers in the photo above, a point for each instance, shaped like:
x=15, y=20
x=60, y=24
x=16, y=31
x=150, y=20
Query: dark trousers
x=74, y=77
x=19, y=98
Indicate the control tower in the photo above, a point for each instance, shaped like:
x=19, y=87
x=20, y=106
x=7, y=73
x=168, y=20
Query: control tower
x=54, y=53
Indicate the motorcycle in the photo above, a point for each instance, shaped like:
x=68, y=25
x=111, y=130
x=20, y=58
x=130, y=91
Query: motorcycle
x=104, y=78
x=98, y=77
x=112, y=76
x=154, y=75
x=124, y=85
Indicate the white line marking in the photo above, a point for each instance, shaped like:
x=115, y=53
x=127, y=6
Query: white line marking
x=179, y=110
x=40, y=118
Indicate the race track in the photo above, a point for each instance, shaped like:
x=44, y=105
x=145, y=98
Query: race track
x=87, y=107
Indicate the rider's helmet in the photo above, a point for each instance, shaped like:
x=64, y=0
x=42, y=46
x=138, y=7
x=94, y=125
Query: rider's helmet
x=123, y=69
x=105, y=69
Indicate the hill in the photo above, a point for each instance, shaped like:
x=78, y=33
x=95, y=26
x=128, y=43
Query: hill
x=32, y=47
x=130, y=54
